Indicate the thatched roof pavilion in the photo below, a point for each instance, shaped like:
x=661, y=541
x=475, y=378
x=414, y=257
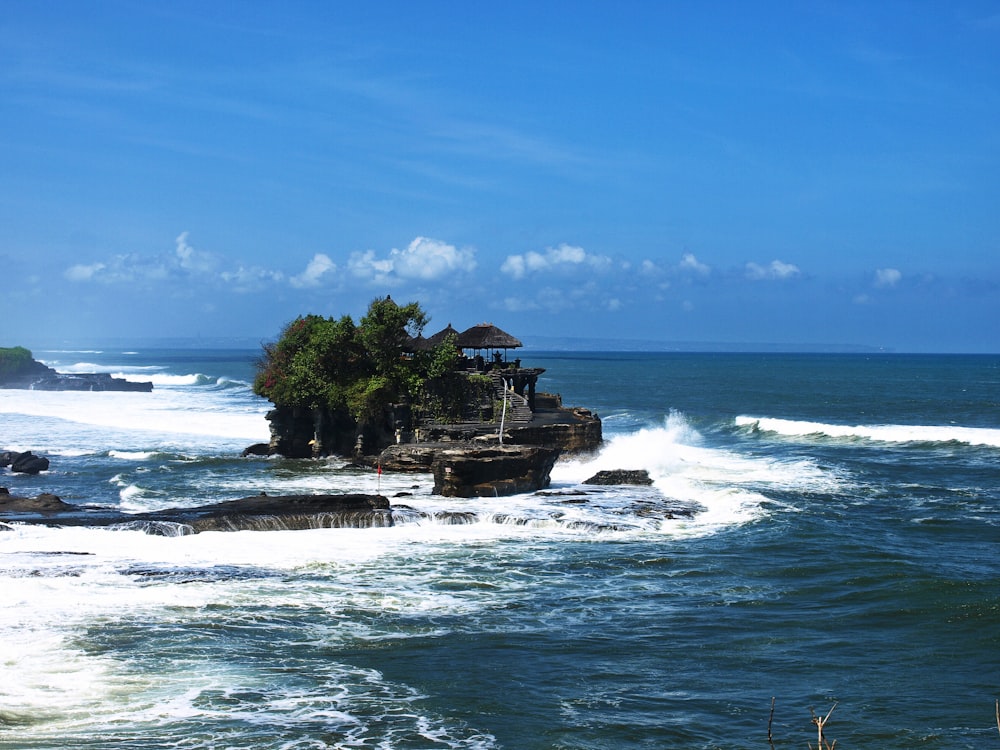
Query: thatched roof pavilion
x=486, y=336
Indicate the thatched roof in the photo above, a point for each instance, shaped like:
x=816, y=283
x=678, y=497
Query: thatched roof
x=421, y=344
x=416, y=344
x=486, y=336
x=441, y=335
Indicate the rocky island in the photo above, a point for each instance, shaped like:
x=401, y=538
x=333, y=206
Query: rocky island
x=18, y=369
x=452, y=404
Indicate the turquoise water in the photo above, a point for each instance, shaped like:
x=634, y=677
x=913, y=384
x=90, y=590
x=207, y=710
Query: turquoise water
x=822, y=529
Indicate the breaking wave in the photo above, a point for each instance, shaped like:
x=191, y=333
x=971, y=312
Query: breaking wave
x=887, y=433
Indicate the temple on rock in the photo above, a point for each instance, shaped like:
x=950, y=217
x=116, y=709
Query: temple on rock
x=486, y=395
x=484, y=350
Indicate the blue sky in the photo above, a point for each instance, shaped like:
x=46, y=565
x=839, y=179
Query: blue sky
x=799, y=174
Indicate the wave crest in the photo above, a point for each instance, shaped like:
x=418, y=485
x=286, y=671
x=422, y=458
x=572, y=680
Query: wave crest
x=886, y=433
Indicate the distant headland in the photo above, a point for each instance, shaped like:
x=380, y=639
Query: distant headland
x=19, y=369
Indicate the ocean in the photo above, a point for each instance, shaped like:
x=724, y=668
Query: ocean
x=823, y=530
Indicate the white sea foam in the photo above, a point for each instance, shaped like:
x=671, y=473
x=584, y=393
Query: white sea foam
x=886, y=433
x=132, y=455
x=62, y=585
x=187, y=412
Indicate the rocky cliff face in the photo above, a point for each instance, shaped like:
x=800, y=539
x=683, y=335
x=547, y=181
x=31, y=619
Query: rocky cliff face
x=301, y=432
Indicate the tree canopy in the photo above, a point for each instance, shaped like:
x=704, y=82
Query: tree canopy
x=339, y=365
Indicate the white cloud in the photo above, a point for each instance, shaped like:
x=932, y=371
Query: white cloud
x=887, y=277
x=691, y=263
x=429, y=259
x=120, y=269
x=190, y=259
x=366, y=266
x=777, y=270
x=181, y=268
x=514, y=266
x=319, y=266
x=554, y=259
x=82, y=272
x=250, y=279
x=424, y=259
x=519, y=304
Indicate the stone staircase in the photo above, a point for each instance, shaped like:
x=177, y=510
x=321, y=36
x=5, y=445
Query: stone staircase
x=518, y=411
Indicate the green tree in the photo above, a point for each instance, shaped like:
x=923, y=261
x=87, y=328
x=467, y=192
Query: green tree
x=321, y=363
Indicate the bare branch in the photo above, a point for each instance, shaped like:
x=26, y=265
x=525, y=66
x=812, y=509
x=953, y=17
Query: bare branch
x=770, y=720
x=820, y=723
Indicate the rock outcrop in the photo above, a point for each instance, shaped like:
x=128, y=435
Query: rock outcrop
x=410, y=458
x=474, y=470
x=24, y=462
x=492, y=471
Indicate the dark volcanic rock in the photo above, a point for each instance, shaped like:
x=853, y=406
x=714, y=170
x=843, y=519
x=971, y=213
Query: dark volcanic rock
x=409, y=457
x=492, y=471
x=474, y=470
x=260, y=512
x=621, y=476
x=89, y=381
x=44, y=503
x=24, y=462
x=570, y=430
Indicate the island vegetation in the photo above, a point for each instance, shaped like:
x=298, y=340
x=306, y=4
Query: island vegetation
x=342, y=366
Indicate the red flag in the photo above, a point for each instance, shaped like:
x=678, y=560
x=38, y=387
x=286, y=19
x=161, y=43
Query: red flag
x=380, y=469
